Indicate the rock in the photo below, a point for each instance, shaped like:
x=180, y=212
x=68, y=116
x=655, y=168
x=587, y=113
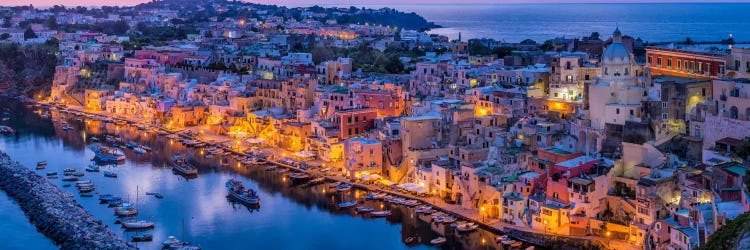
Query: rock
x=59, y=217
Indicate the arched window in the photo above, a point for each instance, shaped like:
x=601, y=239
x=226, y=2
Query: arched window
x=733, y=112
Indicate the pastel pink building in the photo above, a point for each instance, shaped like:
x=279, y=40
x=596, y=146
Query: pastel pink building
x=363, y=156
x=563, y=172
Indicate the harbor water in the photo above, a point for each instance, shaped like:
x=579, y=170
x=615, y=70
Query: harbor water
x=197, y=209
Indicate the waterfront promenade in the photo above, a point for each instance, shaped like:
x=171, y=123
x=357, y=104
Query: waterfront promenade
x=239, y=147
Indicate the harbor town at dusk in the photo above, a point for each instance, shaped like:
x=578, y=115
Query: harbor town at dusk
x=222, y=124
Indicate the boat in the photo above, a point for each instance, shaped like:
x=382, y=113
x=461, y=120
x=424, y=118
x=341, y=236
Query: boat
x=516, y=244
x=171, y=240
x=410, y=240
x=270, y=167
x=316, y=181
x=383, y=213
x=78, y=174
x=502, y=238
x=86, y=189
x=334, y=184
x=139, y=150
x=347, y=204
x=299, y=177
x=127, y=209
x=144, y=147
x=181, y=166
x=130, y=144
x=343, y=187
x=162, y=133
x=438, y=241
x=422, y=209
x=92, y=168
x=107, y=154
x=66, y=185
x=159, y=195
x=142, y=237
x=94, y=139
x=137, y=224
x=51, y=174
x=41, y=164
x=6, y=130
x=87, y=194
x=237, y=191
x=468, y=227
x=110, y=174
x=282, y=170
x=365, y=209
x=70, y=178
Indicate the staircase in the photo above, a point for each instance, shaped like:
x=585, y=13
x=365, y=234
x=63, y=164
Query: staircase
x=74, y=98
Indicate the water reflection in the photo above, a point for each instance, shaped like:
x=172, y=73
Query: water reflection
x=289, y=217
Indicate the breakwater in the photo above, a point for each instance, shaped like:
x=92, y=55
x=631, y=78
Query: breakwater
x=54, y=213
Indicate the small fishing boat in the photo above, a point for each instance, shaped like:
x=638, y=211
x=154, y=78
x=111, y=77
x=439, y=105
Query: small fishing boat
x=237, y=191
x=142, y=238
x=270, y=167
x=423, y=209
x=502, y=238
x=107, y=154
x=66, y=185
x=86, y=189
x=139, y=150
x=158, y=195
x=92, y=168
x=87, y=194
x=130, y=144
x=299, y=177
x=70, y=178
x=316, y=181
x=410, y=240
x=343, y=187
x=334, y=184
x=78, y=174
x=171, y=240
x=51, y=174
x=347, y=204
x=137, y=224
x=127, y=209
x=41, y=164
x=110, y=174
x=438, y=241
x=94, y=139
x=181, y=166
x=468, y=227
x=364, y=209
x=383, y=213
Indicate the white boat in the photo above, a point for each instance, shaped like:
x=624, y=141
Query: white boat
x=94, y=139
x=347, y=204
x=383, y=213
x=468, y=227
x=365, y=209
x=171, y=240
x=501, y=238
x=139, y=150
x=438, y=241
x=106, y=154
x=237, y=191
x=139, y=224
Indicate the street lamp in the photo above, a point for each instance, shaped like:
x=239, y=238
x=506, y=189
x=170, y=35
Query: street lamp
x=545, y=226
x=483, y=214
x=608, y=238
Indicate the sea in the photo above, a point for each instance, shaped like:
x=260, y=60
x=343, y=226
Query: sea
x=652, y=22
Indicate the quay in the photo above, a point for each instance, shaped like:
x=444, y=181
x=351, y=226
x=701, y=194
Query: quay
x=495, y=226
x=53, y=212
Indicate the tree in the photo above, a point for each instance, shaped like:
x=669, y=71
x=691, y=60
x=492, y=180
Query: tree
x=29, y=33
x=4, y=36
x=547, y=45
x=6, y=22
x=477, y=48
x=52, y=23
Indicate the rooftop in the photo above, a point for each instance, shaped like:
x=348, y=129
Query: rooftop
x=575, y=162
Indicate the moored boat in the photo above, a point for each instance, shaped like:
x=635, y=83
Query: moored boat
x=142, y=237
x=181, y=166
x=383, y=213
x=343, y=187
x=137, y=224
x=364, y=209
x=438, y=241
x=347, y=204
x=107, y=154
x=92, y=168
x=237, y=191
x=110, y=174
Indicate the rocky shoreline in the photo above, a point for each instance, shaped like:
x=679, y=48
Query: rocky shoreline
x=54, y=213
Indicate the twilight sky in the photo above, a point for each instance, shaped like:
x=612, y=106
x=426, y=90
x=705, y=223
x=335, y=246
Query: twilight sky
x=40, y=3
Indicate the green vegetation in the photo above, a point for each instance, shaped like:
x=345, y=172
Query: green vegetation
x=367, y=58
x=159, y=35
x=109, y=27
x=729, y=235
x=28, y=34
x=477, y=49
x=27, y=69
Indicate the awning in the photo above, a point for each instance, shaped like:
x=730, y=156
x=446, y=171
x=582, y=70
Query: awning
x=413, y=188
x=304, y=154
x=255, y=140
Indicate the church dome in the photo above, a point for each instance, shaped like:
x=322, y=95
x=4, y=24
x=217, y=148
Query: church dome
x=616, y=53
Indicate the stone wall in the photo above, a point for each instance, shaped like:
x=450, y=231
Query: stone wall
x=54, y=213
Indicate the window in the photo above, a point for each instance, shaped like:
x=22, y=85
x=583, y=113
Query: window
x=664, y=116
x=547, y=212
x=658, y=61
x=679, y=64
x=669, y=63
x=569, y=78
x=617, y=111
x=697, y=131
x=663, y=105
x=649, y=60
x=631, y=112
x=703, y=91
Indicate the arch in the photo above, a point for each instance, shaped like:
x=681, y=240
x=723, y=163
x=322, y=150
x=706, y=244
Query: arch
x=593, y=143
x=733, y=112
